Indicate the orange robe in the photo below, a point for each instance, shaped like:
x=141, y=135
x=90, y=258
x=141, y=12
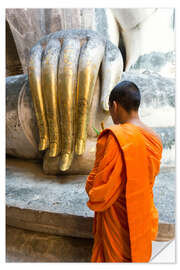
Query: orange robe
x=120, y=192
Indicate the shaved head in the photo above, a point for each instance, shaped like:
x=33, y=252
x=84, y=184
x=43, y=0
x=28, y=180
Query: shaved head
x=126, y=94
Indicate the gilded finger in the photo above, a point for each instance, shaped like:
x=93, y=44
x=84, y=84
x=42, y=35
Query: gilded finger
x=90, y=59
x=49, y=83
x=67, y=75
x=34, y=71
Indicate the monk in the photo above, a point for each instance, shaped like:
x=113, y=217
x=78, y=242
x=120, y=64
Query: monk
x=120, y=186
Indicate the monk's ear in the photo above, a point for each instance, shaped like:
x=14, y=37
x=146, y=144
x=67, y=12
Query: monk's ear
x=115, y=105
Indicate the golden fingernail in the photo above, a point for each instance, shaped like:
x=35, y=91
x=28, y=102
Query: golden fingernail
x=80, y=147
x=54, y=150
x=43, y=144
x=65, y=161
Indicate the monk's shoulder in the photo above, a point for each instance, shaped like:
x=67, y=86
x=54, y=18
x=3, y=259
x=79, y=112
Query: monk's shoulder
x=145, y=130
x=107, y=139
x=151, y=132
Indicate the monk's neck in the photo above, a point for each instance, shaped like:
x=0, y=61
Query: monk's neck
x=133, y=118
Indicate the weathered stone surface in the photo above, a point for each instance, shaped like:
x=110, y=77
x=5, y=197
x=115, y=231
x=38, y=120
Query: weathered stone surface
x=13, y=65
x=165, y=195
x=28, y=187
x=166, y=232
x=49, y=222
x=154, y=61
x=156, y=90
x=46, y=203
x=27, y=246
x=168, y=136
x=21, y=128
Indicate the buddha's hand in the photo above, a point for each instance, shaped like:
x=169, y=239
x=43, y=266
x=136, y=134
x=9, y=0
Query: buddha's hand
x=63, y=70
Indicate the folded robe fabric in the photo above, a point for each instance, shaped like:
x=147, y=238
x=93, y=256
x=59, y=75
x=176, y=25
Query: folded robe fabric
x=120, y=192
